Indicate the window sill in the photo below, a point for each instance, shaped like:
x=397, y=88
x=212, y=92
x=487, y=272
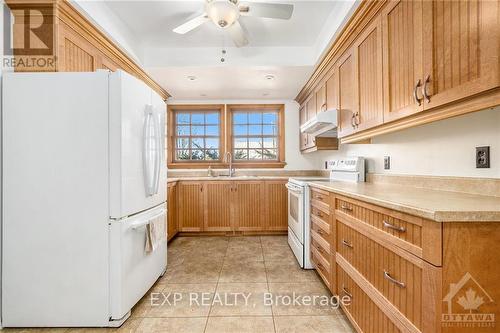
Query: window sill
x=237, y=165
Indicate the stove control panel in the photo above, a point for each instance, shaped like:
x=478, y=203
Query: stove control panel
x=347, y=169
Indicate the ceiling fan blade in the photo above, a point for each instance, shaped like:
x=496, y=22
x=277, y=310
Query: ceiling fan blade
x=191, y=24
x=238, y=34
x=269, y=10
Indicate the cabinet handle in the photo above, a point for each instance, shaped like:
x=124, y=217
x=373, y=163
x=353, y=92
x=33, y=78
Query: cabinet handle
x=346, y=208
x=415, y=94
x=346, y=243
x=352, y=121
x=319, y=214
x=394, y=227
x=320, y=250
x=201, y=188
x=424, y=88
x=393, y=280
x=356, y=119
x=323, y=107
x=344, y=289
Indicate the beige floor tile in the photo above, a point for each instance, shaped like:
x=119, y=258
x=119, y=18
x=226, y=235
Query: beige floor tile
x=244, y=240
x=312, y=299
x=279, y=271
x=309, y=324
x=281, y=253
x=240, y=325
x=172, y=325
x=182, y=300
x=274, y=240
x=240, y=299
x=244, y=253
x=250, y=271
x=194, y=272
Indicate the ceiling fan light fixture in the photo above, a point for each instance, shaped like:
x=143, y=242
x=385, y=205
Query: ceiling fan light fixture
x=222, y=12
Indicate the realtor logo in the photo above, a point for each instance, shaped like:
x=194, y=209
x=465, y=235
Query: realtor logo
x=465, y=301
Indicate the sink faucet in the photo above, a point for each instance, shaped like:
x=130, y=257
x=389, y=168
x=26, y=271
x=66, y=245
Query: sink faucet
x=228, y=157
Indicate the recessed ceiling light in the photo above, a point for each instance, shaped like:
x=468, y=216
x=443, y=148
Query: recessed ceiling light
x=269, y=77
x=191, y=78
x=265, y=94
x=203, y=95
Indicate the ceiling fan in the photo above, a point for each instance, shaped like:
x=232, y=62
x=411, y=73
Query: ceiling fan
x=226, y=13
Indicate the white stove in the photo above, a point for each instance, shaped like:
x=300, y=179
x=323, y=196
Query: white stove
x=350, y=169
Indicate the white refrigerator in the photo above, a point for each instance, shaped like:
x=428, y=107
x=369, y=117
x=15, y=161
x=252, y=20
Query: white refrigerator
x=83, y=167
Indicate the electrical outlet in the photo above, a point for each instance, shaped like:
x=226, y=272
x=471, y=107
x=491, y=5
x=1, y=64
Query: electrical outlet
x=387, y=162
x=483, y=157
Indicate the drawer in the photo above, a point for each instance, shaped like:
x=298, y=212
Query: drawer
x=406, y=231
x=320, y=213
x=322, y=266
x=319, y=234
x=363, y=313
x=324, y=251
x=395, y=273
x=320, y=199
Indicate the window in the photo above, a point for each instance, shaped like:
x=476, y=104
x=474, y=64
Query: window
x=196, y=133
x=199, y=136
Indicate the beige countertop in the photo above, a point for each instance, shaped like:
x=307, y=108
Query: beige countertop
x=206, y=178
x=437, y=205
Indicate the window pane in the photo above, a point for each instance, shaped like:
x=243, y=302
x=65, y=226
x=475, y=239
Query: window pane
x=240, y=154
x=212, y=154
x=270, y=143
x=255, y=130
x=197, y=130
x=255, y=142
x=270, y=118
x=183, y=130
x=270, y=130
x=182, y=118
x=197, y=143
x=197, y=118
x=197, y=155
x=240, y=118
x=255, y=154
x=212, y=131
x=212, y=118
x=182, y=143
x=212, y=143
x=240, y=143
x=240, y=130
x=182, y=155
x=255, y=118
x=270, y=154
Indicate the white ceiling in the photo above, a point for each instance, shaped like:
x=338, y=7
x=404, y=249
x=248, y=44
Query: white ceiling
x=287, y=49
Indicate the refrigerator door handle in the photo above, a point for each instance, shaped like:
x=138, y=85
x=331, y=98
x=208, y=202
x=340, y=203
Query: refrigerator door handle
x=146, y=151
x=158, y=154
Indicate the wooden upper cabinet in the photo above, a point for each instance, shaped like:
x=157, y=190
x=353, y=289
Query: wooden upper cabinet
x=402, y=58
x=303, y=119
x=461, y=49
x=248, y=205
x=311, y=106
x=217, y=206
x=332, y=91
x=321, y=98
x=368, y=54
x=348, y=106
x=191, y=206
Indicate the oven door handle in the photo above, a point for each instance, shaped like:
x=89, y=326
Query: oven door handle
x=293, y=189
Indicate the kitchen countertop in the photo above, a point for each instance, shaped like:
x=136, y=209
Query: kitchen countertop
x=437, y=205
x=206, y=178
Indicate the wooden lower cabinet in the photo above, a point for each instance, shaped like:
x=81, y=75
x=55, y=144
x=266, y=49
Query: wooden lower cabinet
x=172, y=227
x=402, y=273
x=232, y=206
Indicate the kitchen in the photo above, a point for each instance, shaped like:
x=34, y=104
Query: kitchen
x=244, y=166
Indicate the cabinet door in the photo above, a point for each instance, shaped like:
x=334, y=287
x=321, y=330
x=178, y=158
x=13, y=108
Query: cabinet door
x=348, y=106
x=171, y=210
x=461, y=46
x=332, y=91
x=402, y=57
x=276, y=200
x=303, y=119
x=190, y=216
x=321, y=98
x=368, y=54
x=248, y=205
x=217, y=207
x=311, y=112
x=76, y=54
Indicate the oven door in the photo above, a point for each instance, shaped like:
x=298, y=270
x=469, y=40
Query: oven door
x=296, y=210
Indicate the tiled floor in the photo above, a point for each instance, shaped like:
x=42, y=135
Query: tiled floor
x=219, y=284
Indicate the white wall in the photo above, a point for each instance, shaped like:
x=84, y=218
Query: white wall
x=294, y=159
x=443, y=148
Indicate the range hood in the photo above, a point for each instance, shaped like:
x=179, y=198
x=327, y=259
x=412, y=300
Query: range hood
x=323, y=124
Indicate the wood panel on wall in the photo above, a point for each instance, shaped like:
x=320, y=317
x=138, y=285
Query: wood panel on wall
x=190, y=206
x=217, y=206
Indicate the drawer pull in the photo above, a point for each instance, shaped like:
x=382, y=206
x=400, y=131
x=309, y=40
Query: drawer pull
x=346, y=208
x=319, y=197
x=346, y=292
x=346, y=243
x=393, y=280
x=320, y=232
x=394, y=227
x=320, y=250
x=319, y=214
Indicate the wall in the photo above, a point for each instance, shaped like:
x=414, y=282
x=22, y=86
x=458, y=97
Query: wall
x=444, y=148
x=294, y=159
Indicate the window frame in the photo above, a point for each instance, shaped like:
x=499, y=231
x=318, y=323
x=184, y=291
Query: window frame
x=226, y=137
